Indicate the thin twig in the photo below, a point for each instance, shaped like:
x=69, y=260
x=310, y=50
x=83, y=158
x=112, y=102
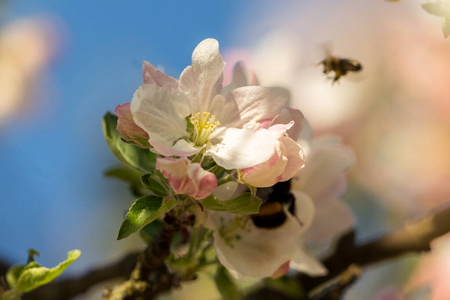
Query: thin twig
x=336, y=289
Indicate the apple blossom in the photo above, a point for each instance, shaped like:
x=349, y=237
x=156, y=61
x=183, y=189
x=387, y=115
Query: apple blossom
x=323, y=180
x=246, y=248
x=284, y=163
x=187, y=116
x=285, y=127
x=186, y=177
x=311, y=211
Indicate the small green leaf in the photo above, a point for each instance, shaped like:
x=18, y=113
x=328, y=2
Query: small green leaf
x=124, y=174
x=154, y=183
x=31, y=254
x=225, y=284
x=242, y=204
x=13, y=274
x=142, y=160
x=144, y=211
x=34, y=276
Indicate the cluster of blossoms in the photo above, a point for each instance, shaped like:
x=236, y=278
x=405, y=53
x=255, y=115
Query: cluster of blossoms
x=214, y=141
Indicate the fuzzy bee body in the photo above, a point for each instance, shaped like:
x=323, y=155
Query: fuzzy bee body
x=276, y=199
x=340, y=66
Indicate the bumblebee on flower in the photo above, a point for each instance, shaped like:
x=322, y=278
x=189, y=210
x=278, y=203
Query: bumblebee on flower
x=217, y=143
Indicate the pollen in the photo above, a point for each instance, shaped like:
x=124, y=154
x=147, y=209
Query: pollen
x=204, y=124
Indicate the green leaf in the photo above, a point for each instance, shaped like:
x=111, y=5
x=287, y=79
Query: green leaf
x=142, y=160
x=13, y=274
x=34, y=276
x=144, y=211
x=154, y=183
x=242, y=204
x=225, y=284
x=124, y=174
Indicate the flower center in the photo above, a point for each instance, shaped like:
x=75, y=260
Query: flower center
x=204, y=125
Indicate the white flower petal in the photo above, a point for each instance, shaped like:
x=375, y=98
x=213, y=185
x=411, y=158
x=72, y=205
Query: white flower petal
x=180, y=148
x=226, y=191
x=257, y=103
x=306, y=262
x=203, y=80
x=258, y=252
x=243, y=148
x=153, y=110
x=226, y=112
x=323, y=171
x=304, y=209
x=332, y=218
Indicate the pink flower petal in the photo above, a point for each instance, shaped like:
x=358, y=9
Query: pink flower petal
x=282, y=166
x=154, y=76
x=295, y=157
x=287, y=115
x=155, y=111
x=265, y=174
x=282, y=270
x=128, y=128
x=186, y=177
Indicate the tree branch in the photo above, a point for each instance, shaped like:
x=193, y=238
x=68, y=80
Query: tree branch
x=413, y=237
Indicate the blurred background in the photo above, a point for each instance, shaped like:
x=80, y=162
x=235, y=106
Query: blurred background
x=64, y=64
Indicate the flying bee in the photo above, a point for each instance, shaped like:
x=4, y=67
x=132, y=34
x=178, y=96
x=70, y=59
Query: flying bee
x=272, y=213
x=340, y=66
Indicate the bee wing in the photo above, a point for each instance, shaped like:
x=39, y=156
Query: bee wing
x=326, y=48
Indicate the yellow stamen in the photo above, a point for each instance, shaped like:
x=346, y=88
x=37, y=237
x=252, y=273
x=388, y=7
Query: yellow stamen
x=203, y=127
